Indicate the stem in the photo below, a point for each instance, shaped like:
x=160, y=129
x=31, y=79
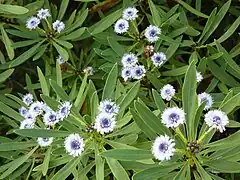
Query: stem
x=203, y=136
x=179, y=133
x=135, y=26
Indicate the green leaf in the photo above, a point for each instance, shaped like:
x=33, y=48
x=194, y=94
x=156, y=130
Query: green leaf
x=59, y=91
x=73, y=35
x=7, y=42
x=64, y=43
x=46, y=160
x=99, y=164
x=43, y=82
x=202, y=172
x=117, y=169
x=110, y=84
x=79, y=98
x=119, y=50
x=128, y=154
x=176, y=72
x=63, y=9
x=156, y=16
x=182, y=173
x=231, y=104
x=94, y=104
x=158, y=100
x=62, y=52
x=10, y=112
x=4, y=75
x=59, y=74
x=13, y=9
x=223, y=166
x=45, y=133
x=9, y=146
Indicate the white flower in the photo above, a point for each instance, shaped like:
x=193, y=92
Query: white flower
x=109, y=107
x=151, y=33
x=167, y=92
x=36, y=108
x=30, y=116
x=205, y=96
x=60, y=60
x=126, y=73
x=138, y=72
x=158, y=58
x=199, y=77
x=43, y=14
x=104, y=123
x=32, y=23
x=163, y=148
x=26, y=124
x=64, y=110
x=88, y=70
x=58, y=26
x=23, y=111
x=129, y=60
x=28, y=99
x=130, y=13
x=44, y=141
x=50, y=118
x=121, y=26
x=173, y=117
x=216, y=119
x=74, y=145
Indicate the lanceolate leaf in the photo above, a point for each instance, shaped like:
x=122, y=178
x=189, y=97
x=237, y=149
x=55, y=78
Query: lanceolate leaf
x=41, y=133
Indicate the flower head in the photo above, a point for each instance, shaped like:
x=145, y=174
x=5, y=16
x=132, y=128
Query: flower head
x=43, y=13
x=163, y=148
x=32, y=23
x=130, y=13
x=121, y=26
x=88, y=70
x=36, y=108
x=58, y=26
x=104, y=123
x=216, y=119
x=23, y=111
x=199, y=77
x=109, y=107
x=26, y=124
x=167, y=92
x=60, y=60
x=158, y=58
x=28, y=99
x=138, y=72
x=44, y=141
x=126, y=73
x=30, y=116
x=50, y=118
x=203, y=97
x=74, y=145
x=129, y=60
x=64, y=110
x=173, y=117
x=151, y=33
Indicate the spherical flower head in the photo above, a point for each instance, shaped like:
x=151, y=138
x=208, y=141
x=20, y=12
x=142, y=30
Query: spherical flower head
x=43, y=13
x=64, y=110
x=32, y=23
x=26, y=124
x=151, y=33
x=30, y=116
x=126, y=73
x=130, y=13
x=88, y=70
x=74, y=145
x=121, y=26
x=199, y=77
x=173, y=117
x=163, y=148
x=28, y=99
x=43, y=142
x=158, y=58
x=36, y=108
x=216, y=119
x=205, y=97
x=60, y=60
x=167, y=92
x=138, y=72
x=129, y=60
x=23, y=111
x=104, y=123
x=58, y=26
x=50, y=118
x=109, y=107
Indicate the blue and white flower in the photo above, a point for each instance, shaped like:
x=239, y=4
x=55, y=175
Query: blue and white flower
x=158, y=58
x=88, y=70
x=36, y=108
x=50, y=118
x=167, y=92
x=104, y=123
x=199, y=77
x=30, y=116
x=74, y=145
x=32, y=23
x=43, y=142
x=130, y=13
x=108, y=107
x=138, y=72
x=163, y=148
x=58, y=26
x=26, y=124
x=216, y=119
x=121, y=26
x=129, y=60
x=151, y=33
x=23, y=111
x=126, y=73
x=172, y=117
x=205, y=97
x=64, y=110
x=43, y=13
x=28, y=99
x=60, y=60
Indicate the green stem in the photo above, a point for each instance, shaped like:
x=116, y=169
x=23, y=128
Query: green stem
x=179, y=133
x=203, y=136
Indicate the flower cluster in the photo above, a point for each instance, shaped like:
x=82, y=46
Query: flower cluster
x=106, y=119
x=167, y=92
x=43, y=14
